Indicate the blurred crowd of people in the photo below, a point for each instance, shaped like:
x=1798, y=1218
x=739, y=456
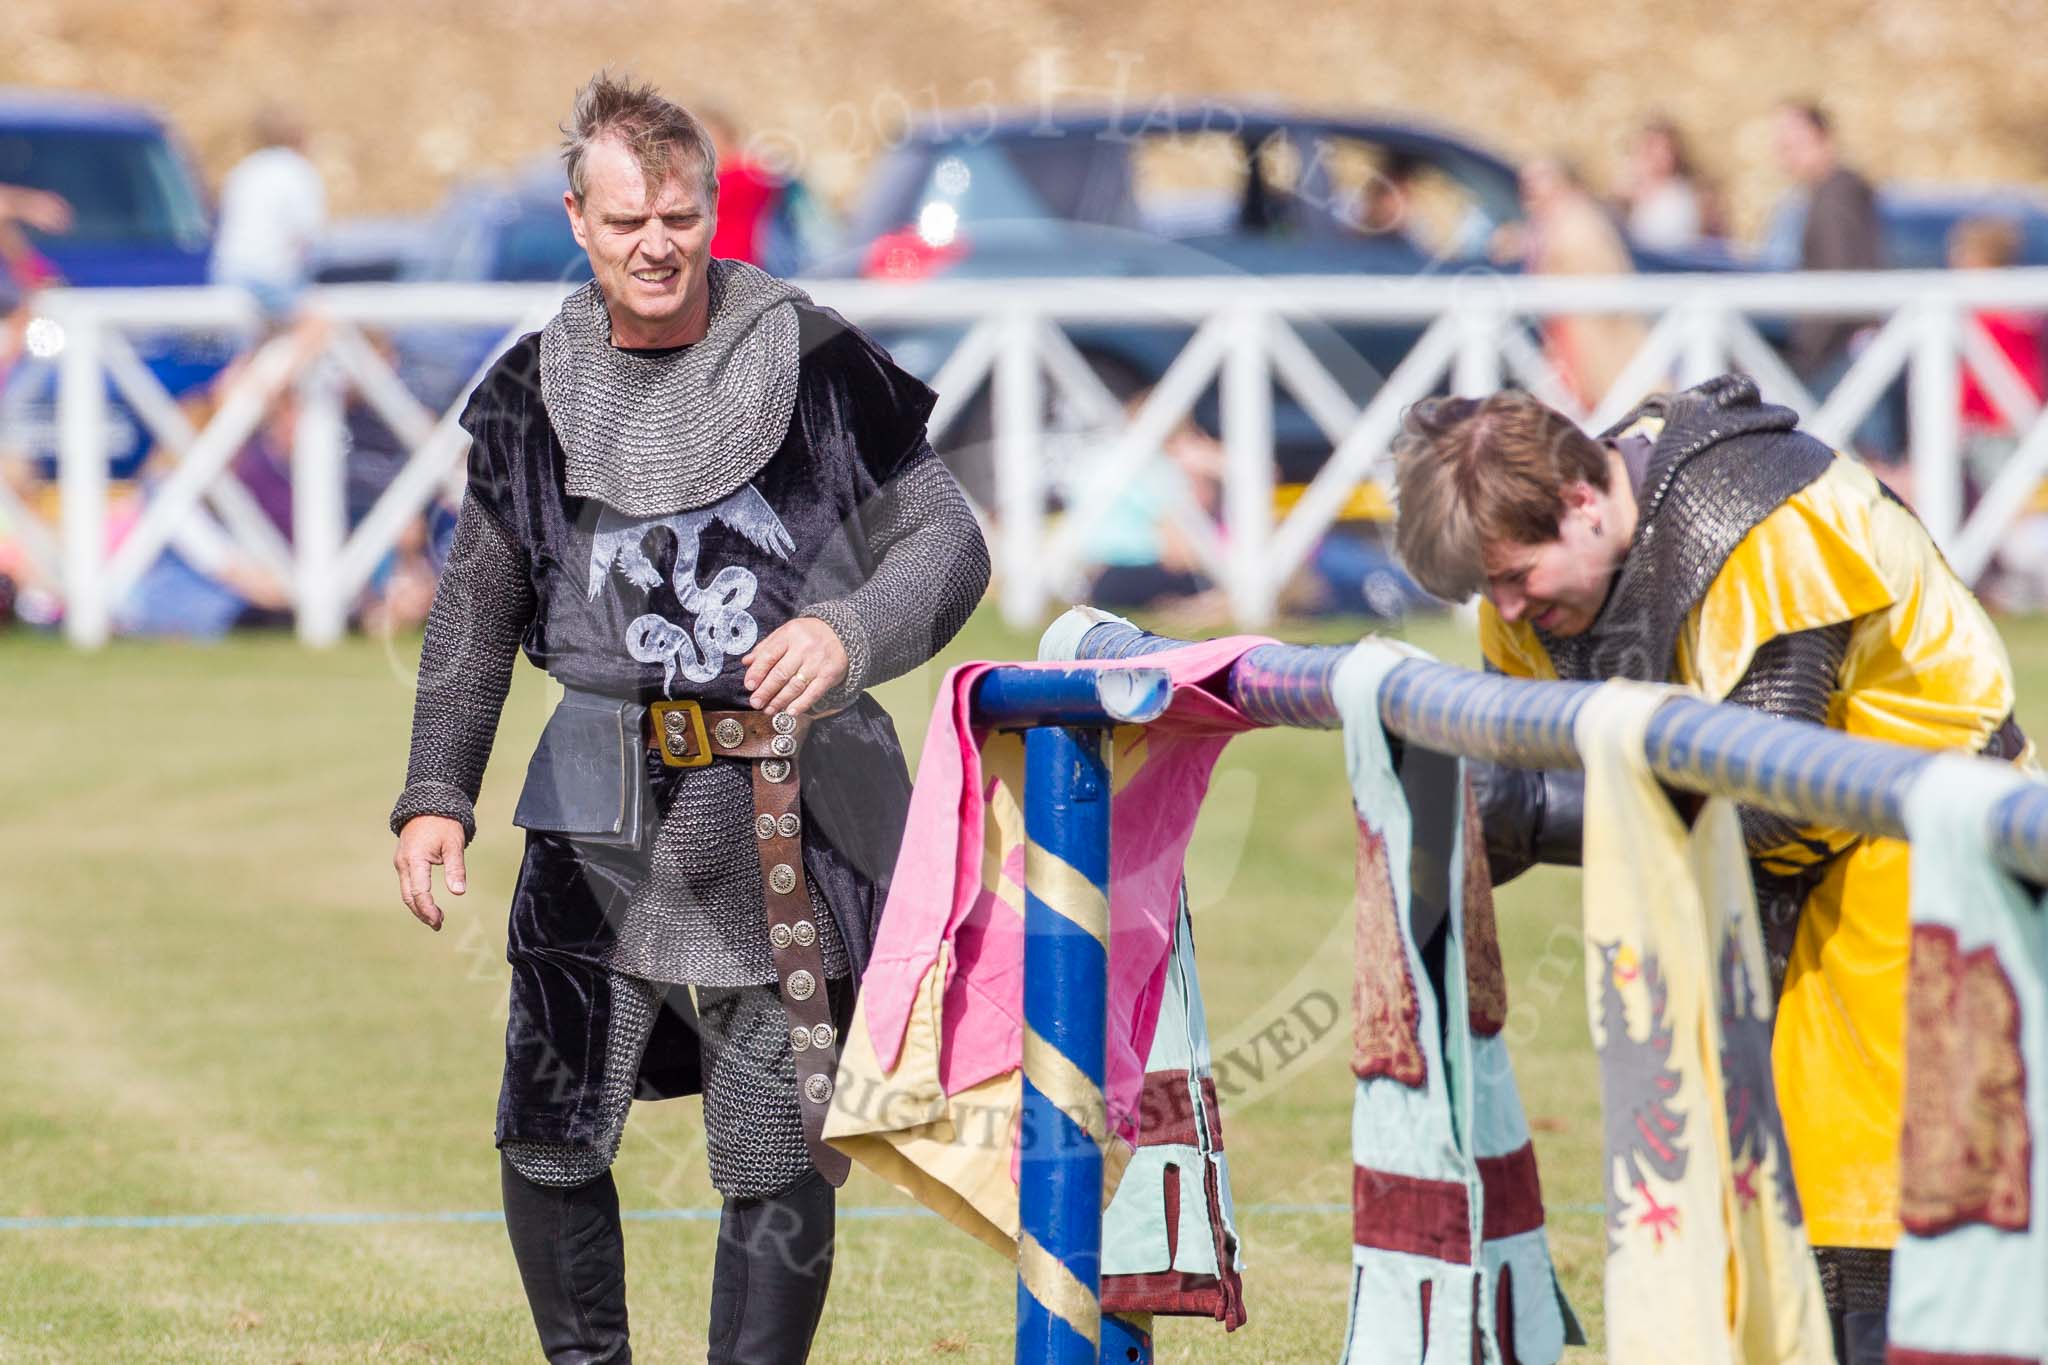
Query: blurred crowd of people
x=1159, y=532
x=1827, y=219
x=207, y=580
x=1661, y=204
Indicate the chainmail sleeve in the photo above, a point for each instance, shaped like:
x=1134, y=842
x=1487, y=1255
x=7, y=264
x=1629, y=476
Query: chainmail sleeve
x=932, y=569
x=1791, y=676
x=481, y=610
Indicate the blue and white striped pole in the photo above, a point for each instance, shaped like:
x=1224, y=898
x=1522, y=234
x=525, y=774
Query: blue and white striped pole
x=1066, y=998
x=1066, y=974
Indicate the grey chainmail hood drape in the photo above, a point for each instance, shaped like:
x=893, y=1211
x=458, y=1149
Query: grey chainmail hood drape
x=1724, y=461
x=651, y=433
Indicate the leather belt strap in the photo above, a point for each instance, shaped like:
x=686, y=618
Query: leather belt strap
x=771, y=744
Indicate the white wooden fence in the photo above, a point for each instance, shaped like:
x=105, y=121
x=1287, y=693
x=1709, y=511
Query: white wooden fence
x=1243, y=335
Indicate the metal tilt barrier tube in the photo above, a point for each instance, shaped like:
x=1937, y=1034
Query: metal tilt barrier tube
x=1804, y=771
x=1066, y=714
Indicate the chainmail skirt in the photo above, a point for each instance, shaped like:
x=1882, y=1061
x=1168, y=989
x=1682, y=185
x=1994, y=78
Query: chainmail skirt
x=753, y=1129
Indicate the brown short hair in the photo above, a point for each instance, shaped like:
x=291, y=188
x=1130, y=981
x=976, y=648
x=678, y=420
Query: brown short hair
x=655, y=130
x=1470, y=472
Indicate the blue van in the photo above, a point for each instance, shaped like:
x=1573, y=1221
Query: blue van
x=139, y=220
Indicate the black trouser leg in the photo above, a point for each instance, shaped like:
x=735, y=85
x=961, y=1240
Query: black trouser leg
x=571, y=1250
x=774, y=1265
x=1857, y=1284
x=1860, y=1338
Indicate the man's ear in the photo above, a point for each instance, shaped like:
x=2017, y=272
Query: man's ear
x=1579, y=495
x=575, y=211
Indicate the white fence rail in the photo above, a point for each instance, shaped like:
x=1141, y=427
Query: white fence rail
x=1243, y=336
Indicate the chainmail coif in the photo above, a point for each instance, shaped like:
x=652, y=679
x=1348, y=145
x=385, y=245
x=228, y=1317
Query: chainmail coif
x=655, y=432
x=1723, y=462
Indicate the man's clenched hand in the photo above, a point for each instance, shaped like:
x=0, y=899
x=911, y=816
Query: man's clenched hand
x=425, y=841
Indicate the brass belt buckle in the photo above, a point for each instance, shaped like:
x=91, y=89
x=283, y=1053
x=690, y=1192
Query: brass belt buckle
x=679, y=733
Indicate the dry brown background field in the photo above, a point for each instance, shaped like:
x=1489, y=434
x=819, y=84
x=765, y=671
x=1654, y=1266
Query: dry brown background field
x=406, y=95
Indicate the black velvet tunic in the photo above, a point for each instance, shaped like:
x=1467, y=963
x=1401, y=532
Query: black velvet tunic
x=665, y=607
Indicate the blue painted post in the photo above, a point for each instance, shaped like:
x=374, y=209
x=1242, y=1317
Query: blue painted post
x=1066, y=992
x=1066, y=714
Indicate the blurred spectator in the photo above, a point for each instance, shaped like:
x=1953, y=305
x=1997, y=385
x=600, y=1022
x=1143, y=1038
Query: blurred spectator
x=273, y=206
x=27, y=595
x=1396, y=202
x=1351, y=573
x=401, y=589
x=1568, y=233
x=374, y=452
x=1386, y=204
x=1989, y=438
x=1147, y=559
x=26, y=268
x=1840, y=229
x=764, y=218
x=746, y=191
x=205, y=584
x=2019, y=578
x=1779, y=246
x=1669, y=206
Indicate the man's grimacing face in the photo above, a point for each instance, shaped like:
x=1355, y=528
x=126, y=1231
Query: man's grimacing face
x=650, y=256
x=1559, y=585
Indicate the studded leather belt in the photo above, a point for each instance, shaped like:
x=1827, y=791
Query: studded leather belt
x=686, y=736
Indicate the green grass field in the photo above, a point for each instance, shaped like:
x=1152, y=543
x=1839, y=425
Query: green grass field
x=214, y=1006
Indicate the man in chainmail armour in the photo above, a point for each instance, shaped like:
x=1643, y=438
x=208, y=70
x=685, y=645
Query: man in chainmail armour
x=707, y=507
x=1705, y=541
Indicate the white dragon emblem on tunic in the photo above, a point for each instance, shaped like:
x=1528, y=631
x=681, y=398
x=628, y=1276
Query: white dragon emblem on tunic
x=723, y=625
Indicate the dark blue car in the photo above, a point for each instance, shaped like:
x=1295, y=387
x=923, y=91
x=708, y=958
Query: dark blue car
x=138, y=216
x=139, y=220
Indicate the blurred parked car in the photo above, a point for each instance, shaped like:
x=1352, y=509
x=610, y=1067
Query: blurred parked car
x=1918, y=219
x=369, y=250
x=138, y=217
x=1196, y=190
x=1208, y=188
x=138, y=220
x=1203, y=189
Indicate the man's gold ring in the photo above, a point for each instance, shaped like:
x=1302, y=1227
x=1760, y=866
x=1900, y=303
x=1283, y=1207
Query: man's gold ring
x=799, y=679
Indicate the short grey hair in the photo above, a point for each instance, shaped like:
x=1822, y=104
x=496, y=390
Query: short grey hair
x=655, y=130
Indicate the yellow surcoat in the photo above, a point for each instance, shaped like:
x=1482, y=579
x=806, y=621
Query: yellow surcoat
x=1924, y=667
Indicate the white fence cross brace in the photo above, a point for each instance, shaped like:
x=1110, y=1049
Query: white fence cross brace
x=1243, y=342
